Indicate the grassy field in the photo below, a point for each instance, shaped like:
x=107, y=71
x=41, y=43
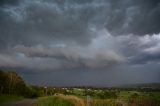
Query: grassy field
x=124, y=98
x=70, y=100
x=53, y=101
x=127, y=94
x=9, y=99
x=92, y=97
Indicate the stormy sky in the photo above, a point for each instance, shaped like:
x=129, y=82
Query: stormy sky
x=81, y=42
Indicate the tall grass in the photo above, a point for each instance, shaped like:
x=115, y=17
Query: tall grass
x=71, y=100
x=61, y=100
x=52, y=101
x=143, y=101
x=76, y=101
x=106, y=102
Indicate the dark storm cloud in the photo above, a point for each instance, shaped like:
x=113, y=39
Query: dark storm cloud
x=138, y=17
x=115, y=76
x=38, y=21
x=9, y=2
x=40, y=35
x=146, y=58
x=31, y=23
x=79, y=55
x=72, y=20
x=95, y=55
x=140, y=49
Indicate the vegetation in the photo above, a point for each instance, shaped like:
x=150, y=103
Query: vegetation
x=108, y=97
x=9, y=98
x=53, y=101
x=122, y=98
x=143, y=100
x=13, y=88
x=12, y=84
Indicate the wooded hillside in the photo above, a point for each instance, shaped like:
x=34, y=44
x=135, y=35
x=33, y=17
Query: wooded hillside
x=12, y=84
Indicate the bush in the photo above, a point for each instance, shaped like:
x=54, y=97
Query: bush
x=107, y=95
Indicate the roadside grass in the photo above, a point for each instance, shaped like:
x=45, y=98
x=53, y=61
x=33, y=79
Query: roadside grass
x=107, y=102
x=53, y=101
x=9, y=98
x=92, y=102
x=76, y=101
x=61, y=100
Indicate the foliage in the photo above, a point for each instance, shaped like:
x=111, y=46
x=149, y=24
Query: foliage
x=107, y=94
x=12, y=84
x=143, y=100
x=52, y=101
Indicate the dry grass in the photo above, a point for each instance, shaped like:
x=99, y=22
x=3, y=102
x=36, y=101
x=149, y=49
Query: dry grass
x=53, y=101
x=93, y=102
x=73, y=99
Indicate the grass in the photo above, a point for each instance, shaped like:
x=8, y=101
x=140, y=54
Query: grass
x=78, y=91
x=53, y=101
x=70, y=100
x=144, y=101
x=127, y=100
x=127, y=94
x=76, y=101
x=155, y=95
x=9, y=98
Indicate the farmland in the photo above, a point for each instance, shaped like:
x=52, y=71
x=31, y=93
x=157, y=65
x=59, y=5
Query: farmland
x=13, y=89
x=102, y=97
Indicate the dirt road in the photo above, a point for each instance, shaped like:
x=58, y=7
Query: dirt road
x=27, y=102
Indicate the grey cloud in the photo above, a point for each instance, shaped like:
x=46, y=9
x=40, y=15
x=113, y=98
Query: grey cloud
x=59, y=35
x=9, y=2
x=32, y=23
x=85, y=77
x=19, y=60
x=102, y=52
x=141, y=49
x=89, y=56
x=146, y=58
x=53, y=21
x=137, y=17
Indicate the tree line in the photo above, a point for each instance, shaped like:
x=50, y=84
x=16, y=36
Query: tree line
x=12, y=84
